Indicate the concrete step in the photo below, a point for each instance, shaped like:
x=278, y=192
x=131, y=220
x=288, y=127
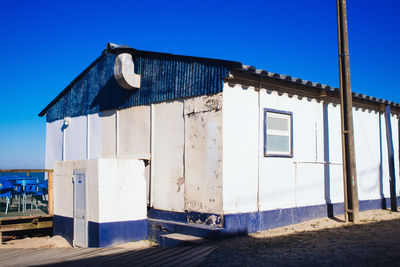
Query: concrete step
x=158, y=227
x=173, y=240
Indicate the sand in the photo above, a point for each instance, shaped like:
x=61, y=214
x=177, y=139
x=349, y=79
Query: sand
x=37, y=242
x=373, y=241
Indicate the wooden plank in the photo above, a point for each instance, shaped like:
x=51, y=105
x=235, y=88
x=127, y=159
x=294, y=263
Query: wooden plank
x=50, y=205
x=25, y=170
x=26, y=226
x=116, y=256
x=159, y=254
x=190, y=254
x=99, y=258
x=6, y=219
x=22, y=255
x=195, y=261
x=113, y=256
x=96, y=253
x=69, y=255
x=175, y=253
x=139, y=254
x=41, y=255
x=16, y=253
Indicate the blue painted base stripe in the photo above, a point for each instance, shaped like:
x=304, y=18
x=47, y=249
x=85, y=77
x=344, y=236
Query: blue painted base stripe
x=64, y=226
x=258, y=221
x=166, y=215
x=187, y=216
x=93, y=234
x=113, y=233
x=102, y=234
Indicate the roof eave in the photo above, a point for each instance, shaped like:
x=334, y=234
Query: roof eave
x=66, y=89
x=257, y=76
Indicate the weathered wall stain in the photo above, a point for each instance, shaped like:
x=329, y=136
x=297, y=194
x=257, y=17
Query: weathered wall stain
x=180, y=182
x=203, y=154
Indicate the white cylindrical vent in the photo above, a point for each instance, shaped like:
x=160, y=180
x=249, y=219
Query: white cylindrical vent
x=124, y=72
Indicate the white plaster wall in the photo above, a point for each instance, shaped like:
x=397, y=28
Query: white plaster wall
x=64, y=188
x=240, y=149
x=54, y=143
x=277, y=187
x=102, y=132
x=297, y=181
x=367, y=151
x=75, y=137
x=115, y=189
x=314, y=175
x=335, y=174
x=121, y=190
x=133, y=132
x=167, y=156
x=203, y=154
x=308, y=147
x=309, y=184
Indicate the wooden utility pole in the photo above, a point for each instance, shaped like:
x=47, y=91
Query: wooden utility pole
x=346, y=107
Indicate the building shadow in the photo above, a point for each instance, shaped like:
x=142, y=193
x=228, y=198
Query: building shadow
x=369, y=244
x=327, y=178
x=383, y=199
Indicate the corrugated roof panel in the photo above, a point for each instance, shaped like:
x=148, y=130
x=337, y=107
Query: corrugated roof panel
x=161, y=79
x=253, y=70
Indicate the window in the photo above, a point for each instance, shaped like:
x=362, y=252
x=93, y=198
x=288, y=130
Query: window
x=278, y=133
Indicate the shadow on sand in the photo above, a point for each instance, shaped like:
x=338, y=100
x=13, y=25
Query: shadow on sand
x=367, y=244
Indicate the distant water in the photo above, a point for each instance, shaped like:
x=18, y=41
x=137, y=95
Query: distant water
x=40, y=175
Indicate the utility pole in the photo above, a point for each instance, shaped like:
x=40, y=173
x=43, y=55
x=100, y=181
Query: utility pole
x=346, y=107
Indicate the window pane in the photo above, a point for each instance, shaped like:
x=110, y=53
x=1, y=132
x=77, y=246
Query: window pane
x=278, y=143
x=279, y=124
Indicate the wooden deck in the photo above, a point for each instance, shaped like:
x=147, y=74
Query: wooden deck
x=25, y=223
x=176, y=256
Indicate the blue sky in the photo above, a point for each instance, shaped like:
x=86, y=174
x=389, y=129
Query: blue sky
x=46, y=44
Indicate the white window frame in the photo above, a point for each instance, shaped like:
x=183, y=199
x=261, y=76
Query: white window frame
x=289, y=132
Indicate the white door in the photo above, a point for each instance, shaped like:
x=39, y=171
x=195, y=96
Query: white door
x=80, y=226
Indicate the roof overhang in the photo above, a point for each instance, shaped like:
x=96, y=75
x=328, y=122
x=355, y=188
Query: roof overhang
x=250, y=76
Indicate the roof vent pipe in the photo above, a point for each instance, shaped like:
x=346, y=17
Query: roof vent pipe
x=124, y=72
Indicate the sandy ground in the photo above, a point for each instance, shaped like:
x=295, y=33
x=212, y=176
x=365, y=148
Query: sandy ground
x=373, y=241
x=37, y=242
x=326, y=223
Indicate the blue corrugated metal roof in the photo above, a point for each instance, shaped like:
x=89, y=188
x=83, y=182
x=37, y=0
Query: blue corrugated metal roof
x=163, y=77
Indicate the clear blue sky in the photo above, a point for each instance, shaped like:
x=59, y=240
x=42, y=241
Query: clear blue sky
x=46, y=44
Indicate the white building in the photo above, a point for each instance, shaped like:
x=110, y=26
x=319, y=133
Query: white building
x=197, y=141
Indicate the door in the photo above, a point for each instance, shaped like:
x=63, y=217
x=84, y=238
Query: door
x=80, y=225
